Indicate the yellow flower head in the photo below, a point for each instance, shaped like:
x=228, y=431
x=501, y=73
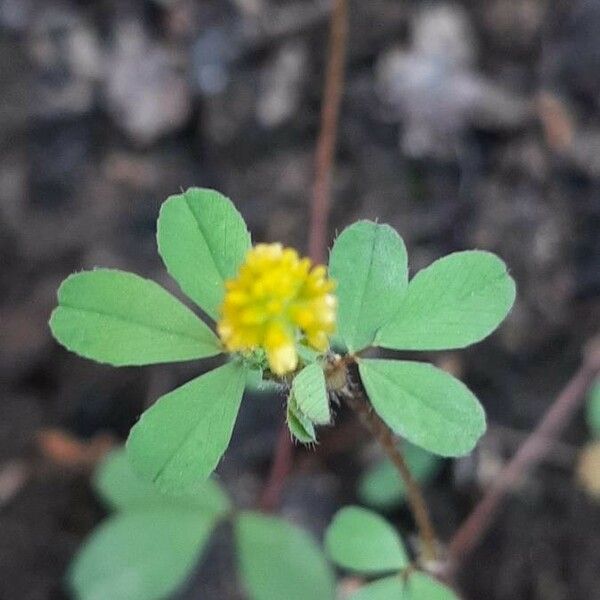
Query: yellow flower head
x=276, y=298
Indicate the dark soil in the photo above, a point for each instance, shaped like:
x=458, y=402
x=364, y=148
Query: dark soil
x=488, y=137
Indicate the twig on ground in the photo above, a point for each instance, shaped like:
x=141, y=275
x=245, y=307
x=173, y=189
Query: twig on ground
x=531, y=452
x=559, y=454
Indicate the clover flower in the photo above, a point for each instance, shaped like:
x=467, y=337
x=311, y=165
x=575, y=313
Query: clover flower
x=275, y=297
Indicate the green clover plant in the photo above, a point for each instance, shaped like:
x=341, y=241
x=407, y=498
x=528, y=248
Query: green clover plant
x=148, y=547
x=122, y=319
x=361, y=541
x=272, y=314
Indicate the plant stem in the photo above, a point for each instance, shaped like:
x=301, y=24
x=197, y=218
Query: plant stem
x=319, y=214
x=384, y=435
x=332, y=96
x=280, y=469
x=534, y=448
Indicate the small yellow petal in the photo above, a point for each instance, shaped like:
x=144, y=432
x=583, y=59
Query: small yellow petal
x=318, y=340
x=283, y=359
x=276, y=298
x=303, y=316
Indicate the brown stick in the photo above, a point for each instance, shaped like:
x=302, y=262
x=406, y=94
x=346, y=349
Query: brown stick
x=387, y=441
x=332, y=96
x=534, y=449
x=319, y=216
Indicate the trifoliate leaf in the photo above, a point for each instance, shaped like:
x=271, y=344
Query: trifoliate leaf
x=361, y=540
x=122, y=319
x=300, y=426
x=593, y=409
x=278, y=561
x=122, y=489
x=425, y=405
x=139, y=555
x=310, y=393
x=202, y=240
x=458, y=300
x=369, y=262
x=382, y=487
x=179, y=440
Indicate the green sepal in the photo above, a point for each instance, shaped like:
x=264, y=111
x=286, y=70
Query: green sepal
x=300, y=426
x=311, y=395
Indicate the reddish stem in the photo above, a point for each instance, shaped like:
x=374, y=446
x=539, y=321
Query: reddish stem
x=319, y=215
x=332, y=97
x=386, y=439
x=280, y=469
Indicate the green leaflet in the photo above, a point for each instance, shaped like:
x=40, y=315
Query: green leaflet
x=122, y=319
x=122, y=489
x=361, y=540
x=139, y=555
x=310, y=393
x=388, y=588
x=278, y=561
x=423, y=404
x=418, y=587
x=179, y=440
x=370, y=265
x=382, y=487
x=203, y=240
x=593, y=409
x=423, y=587
x=307, y=355
x=256, y=383
x=456, y=301
x=300, y=426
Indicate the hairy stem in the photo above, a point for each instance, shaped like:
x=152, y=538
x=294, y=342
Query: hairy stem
x=280, y=468
x=383, y=434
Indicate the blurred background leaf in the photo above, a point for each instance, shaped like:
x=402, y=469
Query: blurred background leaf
x=381, y=486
